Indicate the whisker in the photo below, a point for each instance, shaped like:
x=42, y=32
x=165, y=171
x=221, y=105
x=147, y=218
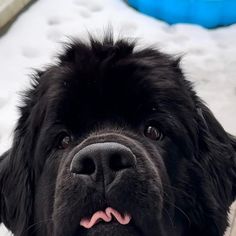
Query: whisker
x=177, y=208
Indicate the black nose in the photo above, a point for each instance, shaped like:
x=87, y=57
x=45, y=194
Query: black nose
x=105, y=159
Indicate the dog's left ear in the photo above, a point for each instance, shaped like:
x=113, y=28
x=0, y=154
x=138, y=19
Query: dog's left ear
x=233, y=142
x=218, y=151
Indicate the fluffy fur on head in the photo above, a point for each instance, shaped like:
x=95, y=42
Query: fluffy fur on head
x=183, y=179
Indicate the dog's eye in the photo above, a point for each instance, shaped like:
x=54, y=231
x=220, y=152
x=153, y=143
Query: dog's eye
x=64, y=141
x=153, y=133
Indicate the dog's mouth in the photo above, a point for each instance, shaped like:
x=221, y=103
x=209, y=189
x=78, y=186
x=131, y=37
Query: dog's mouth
x=130, y=203
x=108, y=215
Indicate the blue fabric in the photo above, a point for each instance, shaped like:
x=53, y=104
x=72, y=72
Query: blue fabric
x=208, y=13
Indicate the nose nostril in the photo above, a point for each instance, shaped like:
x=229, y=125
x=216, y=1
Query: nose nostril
x=86, y=167
x=117, y=162
x=105, y=158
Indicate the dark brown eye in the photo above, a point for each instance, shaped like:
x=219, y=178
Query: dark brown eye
x=65, y=141
x=153, y=133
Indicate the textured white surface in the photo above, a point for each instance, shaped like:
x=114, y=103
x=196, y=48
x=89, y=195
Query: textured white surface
x=32, y=41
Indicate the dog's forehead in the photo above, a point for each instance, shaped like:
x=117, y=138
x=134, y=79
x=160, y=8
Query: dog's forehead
x=133, y=78
x=113, y=78
x=117, y=88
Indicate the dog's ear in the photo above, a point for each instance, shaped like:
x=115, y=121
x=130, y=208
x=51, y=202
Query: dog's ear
x=16, y=200
x=17, y=169
x=218, y=152
x=3, y=167
x=233, y=143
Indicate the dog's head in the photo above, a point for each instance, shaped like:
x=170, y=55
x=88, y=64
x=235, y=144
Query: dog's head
x=114, y=141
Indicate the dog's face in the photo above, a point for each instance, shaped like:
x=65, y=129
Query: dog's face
x=113, y=141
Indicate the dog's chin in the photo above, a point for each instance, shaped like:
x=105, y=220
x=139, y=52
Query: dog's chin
x=112, y=228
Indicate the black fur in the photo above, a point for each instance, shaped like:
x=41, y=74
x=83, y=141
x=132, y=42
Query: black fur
x=106, y=91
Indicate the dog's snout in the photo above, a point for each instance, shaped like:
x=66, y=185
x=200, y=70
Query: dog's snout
x=107, y=158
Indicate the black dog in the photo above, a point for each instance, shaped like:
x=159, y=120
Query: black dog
x=114, y=141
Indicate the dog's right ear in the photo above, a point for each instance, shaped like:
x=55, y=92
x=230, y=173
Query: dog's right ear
x=16, y=187
x=15, y=191
x=17, y=169
x=4, y=164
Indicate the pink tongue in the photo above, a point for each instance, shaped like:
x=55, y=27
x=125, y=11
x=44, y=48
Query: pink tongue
x=105, y=216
